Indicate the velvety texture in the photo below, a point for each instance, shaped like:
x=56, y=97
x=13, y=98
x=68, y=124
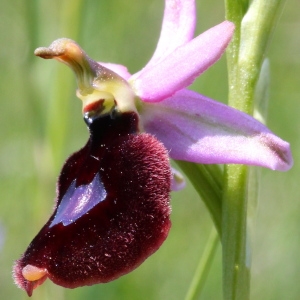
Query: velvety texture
x=126, y=175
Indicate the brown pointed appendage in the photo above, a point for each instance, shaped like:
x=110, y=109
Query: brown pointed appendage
x=112, y=209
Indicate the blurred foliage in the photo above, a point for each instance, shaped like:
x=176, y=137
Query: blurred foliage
x=41, y=125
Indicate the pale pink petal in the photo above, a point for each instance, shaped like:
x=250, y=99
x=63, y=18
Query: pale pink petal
x=119, y=69
x=181, y=67
x=197, y=129
x=178, y=181
x=177, y=28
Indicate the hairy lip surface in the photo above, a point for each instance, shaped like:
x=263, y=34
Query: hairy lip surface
x=112, y=209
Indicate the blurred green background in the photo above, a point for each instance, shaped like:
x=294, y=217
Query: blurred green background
x=41, y=125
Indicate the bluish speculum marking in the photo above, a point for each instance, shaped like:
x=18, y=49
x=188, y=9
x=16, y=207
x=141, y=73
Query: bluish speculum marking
x=78, y=201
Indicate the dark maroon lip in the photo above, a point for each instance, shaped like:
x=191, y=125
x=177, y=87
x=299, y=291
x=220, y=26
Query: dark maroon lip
x=112, y=208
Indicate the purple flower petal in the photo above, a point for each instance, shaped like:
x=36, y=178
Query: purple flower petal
x=177, y=29
x=182, y=66
x=197, y=129
x=119, y=69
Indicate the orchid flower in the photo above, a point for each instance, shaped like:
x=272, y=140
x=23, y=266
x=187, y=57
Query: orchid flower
x=112, y=209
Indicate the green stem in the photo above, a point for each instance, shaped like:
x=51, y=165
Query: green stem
x=245, y=56
x=246, y=52
x=236, y=270
x=203, y=267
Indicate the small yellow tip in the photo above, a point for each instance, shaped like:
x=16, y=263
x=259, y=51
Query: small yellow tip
x=32, y=273
x=63, y=48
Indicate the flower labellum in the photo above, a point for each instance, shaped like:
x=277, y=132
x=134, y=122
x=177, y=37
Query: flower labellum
x=112, y=208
